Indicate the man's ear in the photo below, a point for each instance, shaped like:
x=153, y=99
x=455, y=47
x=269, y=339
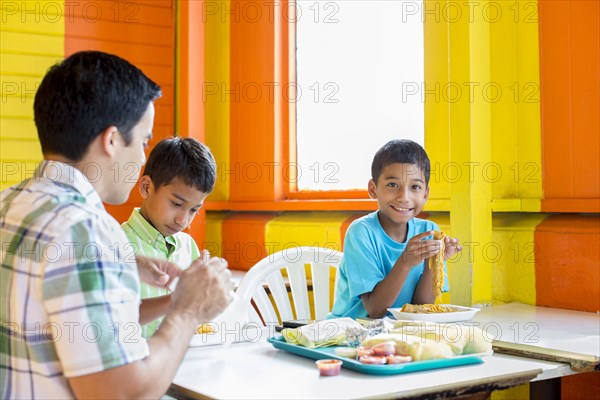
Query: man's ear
x=371, y=189
x=427, y=192
x=144, y=185
x=109, y=140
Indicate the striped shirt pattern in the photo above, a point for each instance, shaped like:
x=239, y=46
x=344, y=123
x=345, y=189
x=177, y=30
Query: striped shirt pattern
x=146, y=240
x=69, y=286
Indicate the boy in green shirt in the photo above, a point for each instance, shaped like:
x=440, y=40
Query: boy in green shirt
x=178, y=176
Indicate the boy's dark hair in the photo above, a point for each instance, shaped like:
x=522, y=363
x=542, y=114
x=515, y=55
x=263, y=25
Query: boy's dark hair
x=183, y=158
x=401, y=151
x=85, y=94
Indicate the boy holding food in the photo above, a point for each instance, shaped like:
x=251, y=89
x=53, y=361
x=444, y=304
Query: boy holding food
x=178, y=176
x=385, y=251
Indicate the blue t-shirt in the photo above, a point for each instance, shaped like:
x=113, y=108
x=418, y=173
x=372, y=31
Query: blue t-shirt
x=369, y=255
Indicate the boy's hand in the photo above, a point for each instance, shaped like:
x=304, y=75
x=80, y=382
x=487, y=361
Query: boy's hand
x=452, y=247
x=157, y=272
x=417, y=250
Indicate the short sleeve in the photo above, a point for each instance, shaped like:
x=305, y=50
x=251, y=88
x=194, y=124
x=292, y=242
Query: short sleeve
x=194, y=251
x=91, y=296
x=363, y=269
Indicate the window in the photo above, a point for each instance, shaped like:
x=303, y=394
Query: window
x=357, y=63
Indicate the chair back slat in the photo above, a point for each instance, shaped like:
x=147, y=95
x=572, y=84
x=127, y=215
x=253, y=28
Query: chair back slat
x=268, y=272
x=267, y=311
x=320, y=286
x=297, y=277
x=279, y=292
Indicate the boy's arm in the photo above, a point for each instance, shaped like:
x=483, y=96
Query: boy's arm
x=386, y=292
x=154, y=307
x=155, y=271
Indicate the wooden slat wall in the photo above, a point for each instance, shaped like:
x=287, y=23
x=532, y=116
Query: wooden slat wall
x=31, y=40
x=144, y=34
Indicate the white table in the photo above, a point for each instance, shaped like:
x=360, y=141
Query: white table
x=259, y=371
x=546, y=333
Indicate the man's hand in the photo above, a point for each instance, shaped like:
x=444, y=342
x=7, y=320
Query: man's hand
x=204, y=290
x=157, y=272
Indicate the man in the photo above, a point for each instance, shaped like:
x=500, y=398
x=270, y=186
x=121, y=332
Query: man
x=69, y=282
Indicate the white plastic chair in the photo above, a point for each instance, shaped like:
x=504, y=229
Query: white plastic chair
x=266, y=277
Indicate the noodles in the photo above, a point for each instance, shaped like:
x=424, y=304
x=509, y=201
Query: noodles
x=428, y=308
x=436, y=264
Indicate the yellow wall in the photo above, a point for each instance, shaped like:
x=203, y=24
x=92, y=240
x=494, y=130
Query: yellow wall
x=31, y=40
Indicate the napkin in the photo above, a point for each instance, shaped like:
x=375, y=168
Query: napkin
x=330, y=332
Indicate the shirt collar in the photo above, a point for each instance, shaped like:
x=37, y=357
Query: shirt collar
x=64, y=174
x=145, y=229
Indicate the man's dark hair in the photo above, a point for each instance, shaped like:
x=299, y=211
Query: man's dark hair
x=85, y=94
x=183, y=158
x=401, y=151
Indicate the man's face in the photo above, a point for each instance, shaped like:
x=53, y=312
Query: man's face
x=130, y=159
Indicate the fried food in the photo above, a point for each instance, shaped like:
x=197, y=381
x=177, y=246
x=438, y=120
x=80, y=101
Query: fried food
x=205, y=329
x=436, y=264
x=428, y=308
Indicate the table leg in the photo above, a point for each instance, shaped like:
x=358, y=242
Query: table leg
x=548, y=389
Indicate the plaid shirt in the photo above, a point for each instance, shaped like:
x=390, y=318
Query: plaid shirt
x=147, y=241
x=69, y=287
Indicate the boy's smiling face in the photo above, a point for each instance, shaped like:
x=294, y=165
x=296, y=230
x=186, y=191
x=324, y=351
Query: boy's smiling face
x=401, y=193
x=171, y=208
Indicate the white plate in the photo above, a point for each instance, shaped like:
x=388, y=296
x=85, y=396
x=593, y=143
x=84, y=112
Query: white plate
x=465, y=314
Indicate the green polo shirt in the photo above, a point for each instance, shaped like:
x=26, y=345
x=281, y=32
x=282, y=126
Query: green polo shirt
x=149, y=242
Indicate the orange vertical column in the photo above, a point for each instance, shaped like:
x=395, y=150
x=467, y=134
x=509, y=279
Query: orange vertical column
x=570, y=104
x=255, y=88
x=190, y=108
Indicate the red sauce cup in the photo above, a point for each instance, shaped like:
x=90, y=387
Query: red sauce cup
x=329, y=367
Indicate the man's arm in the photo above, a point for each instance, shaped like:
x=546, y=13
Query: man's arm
x=202, y=293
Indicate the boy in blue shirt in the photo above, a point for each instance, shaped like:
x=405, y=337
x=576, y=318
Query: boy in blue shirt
x=385, y=251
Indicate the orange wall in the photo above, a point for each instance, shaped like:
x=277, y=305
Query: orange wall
x=142, y=33
x=567, y=256
x=570, y=104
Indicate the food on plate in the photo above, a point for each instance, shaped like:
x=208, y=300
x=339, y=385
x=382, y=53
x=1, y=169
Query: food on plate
x=428, y=308
x=205, y=329
x=362, y=351
x=373, y=360
x=450, y=334
x=461, y=339
x=329, y=367
x=384, y=349
x=347, y=352
x=398, y=359
x=418, y=348
x=478, y=341
x=436, y=264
